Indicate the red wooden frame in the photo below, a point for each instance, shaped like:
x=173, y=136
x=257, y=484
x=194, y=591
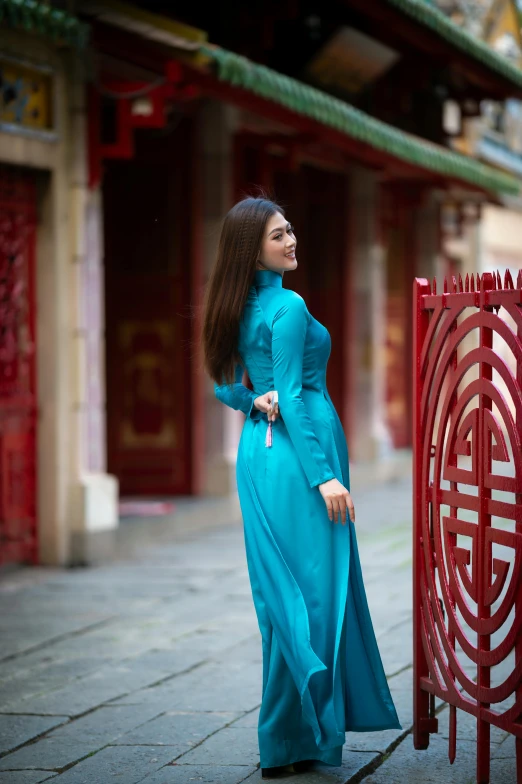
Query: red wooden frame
x=460, y=592
x=126, y=122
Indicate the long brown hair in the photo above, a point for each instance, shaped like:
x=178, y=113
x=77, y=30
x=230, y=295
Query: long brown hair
x=227, y=289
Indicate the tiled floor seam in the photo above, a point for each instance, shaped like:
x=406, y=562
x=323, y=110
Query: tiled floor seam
x=102, y=704
x=107, y=704
x=58, y=638
x=203, y=740
x=369, y=769
x=59, y=771
x=375, y=764
x=399, y=671
x=32, y=740
x=120, y=696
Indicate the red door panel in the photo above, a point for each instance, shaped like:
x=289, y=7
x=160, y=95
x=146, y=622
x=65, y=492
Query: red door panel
x=18, y=525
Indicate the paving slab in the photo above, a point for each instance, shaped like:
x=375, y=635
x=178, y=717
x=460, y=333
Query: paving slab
x=46, y=754
x=26, y=777
x=396, y=647
x=129, y=764
x=503, y=771
x=200, y=774
x=180, y=730
x=229, y=746
x=27, y=636
x=150, y=669
x=103, y=725
x=431, y=766
x=250, y=719
x=107, y=683
x=25, y=683
x=467, y=727
x=16, y=730
x=217, y=687
x=505, y=749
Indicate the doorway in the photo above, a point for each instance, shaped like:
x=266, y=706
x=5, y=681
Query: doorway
x=18, y=409
x=147, y=229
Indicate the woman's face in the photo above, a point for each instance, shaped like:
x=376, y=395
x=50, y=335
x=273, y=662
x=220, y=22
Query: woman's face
x=278, y=246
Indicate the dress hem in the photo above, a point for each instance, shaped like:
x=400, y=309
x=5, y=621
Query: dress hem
x=331, y=756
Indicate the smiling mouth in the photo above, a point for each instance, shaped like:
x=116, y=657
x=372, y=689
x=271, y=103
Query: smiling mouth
x=290, y=255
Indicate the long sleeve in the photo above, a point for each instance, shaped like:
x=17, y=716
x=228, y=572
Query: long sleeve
x=237, y=395
x=288, y=337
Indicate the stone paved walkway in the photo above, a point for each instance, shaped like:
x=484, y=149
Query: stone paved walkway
x=149, y=669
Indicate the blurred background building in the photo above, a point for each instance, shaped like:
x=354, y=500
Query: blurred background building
x=389, y=130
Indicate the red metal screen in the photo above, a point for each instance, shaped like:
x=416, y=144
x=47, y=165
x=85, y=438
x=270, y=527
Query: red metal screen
x=467, y=501
x=17, y=368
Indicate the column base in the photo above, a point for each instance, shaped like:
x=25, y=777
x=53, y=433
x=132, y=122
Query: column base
x=94, y=514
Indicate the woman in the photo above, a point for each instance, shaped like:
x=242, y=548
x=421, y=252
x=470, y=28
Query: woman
x=322, y=672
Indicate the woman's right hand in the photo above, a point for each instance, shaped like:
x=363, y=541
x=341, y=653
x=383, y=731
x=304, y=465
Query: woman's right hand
x=337, y=498
x=264, y=403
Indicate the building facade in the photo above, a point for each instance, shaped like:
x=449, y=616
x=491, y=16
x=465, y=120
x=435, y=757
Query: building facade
x=55, y=491
x=156, y=133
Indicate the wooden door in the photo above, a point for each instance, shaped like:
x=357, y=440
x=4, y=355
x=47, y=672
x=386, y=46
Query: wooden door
x=147, y=260
x=18, y=520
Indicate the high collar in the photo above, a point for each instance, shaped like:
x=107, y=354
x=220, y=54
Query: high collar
x=268, y=278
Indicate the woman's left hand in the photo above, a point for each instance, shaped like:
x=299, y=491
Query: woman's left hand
x=264, y=403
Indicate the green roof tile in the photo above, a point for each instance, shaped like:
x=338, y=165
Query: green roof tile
x=33, y=16
x=430, y=16
x=329, y=111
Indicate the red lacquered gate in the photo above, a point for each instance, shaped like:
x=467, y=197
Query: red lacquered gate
x=17, y=368
x=467, y=502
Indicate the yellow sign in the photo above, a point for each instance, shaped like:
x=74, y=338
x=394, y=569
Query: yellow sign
x=501, y=29
x=25, y=96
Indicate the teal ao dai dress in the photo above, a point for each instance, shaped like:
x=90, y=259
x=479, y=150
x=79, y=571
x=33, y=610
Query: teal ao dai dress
x=322, y=671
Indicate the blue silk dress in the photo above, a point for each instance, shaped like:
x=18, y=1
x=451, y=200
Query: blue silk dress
x=322, y=671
